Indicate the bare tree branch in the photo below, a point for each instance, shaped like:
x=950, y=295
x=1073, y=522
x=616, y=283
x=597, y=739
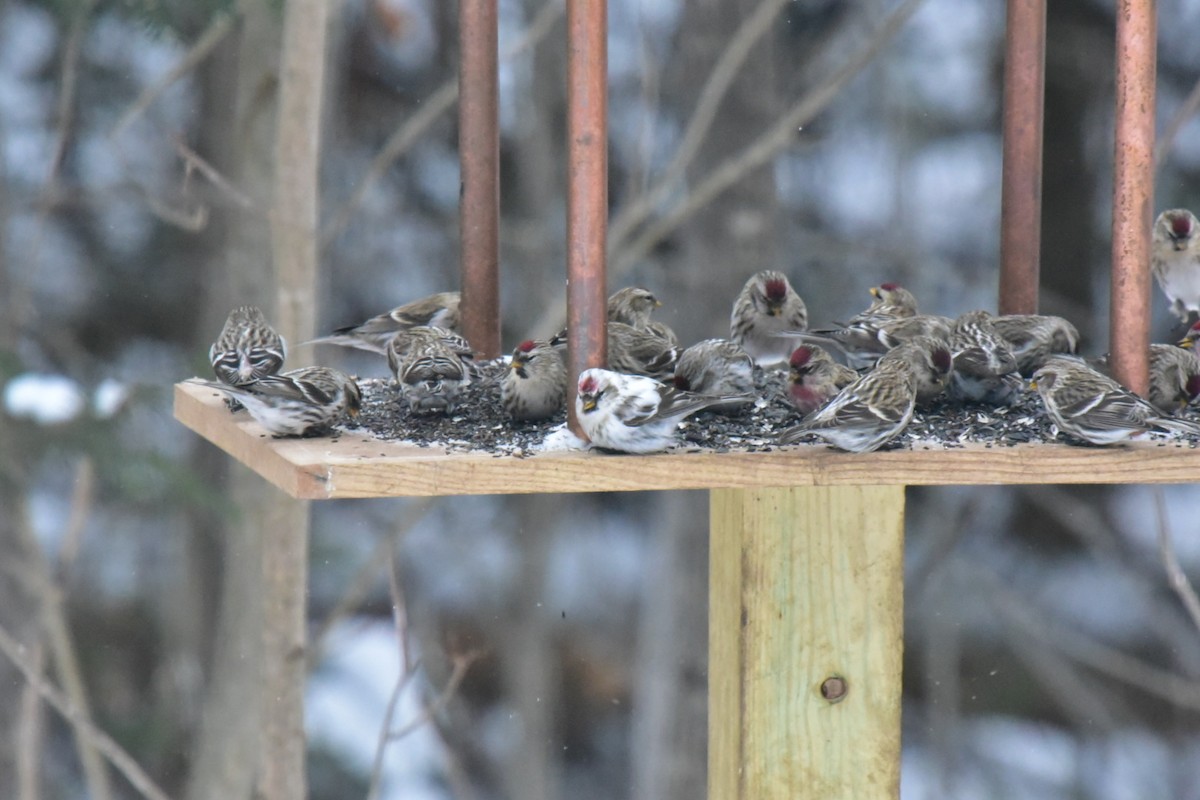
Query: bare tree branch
x=216, y=31
x=723, y=73
x=1187, y=109
x=84, y=728
x=431, y=110
x=30, y=727
x=1176, y=579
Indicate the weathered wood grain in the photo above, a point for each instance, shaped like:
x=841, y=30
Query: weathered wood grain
x=359, y=466
x=806, y=585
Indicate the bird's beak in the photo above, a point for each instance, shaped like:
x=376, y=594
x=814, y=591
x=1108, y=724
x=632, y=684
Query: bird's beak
x=589, y=405
x=658, y=303
x=875, y=292
x=1184, y=343
x=353, y=412
x=517, y=363
x=1033, y=385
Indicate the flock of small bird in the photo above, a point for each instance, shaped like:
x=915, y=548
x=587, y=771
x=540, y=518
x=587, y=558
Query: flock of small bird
x=896, y=359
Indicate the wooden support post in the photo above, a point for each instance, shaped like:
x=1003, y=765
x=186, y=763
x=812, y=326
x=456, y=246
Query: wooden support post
x=805, y=601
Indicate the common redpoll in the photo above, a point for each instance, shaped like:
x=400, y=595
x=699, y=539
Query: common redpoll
x=247, y=349
x=535, y=384
x=984, y=365
x=1093, y=407
x=1034, y=338
x=299, y=402
x=1175, y=260
x=890, y=301
x=432, y=365
x=766, y=307
x=814, y=378
x=865, y=341
x=716, y=366
x=437, y=311
x=632, y=305
x=927, y=357
x=1191, y=339
x=1172, y=367
x=865, y=415
x=633, y=413
x=638, y=352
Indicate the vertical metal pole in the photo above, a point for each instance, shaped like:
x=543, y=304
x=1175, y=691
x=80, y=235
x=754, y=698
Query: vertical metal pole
x=1021, y=193
x=587, y=189
x=1133, y=194
x=479, y=157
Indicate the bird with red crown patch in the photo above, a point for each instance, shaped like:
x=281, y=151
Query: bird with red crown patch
x=766, y=307
x=1175, y=260
x=534, y=386
x=814, y=378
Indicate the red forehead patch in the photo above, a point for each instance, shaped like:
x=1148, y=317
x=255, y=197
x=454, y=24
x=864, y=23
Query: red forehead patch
x=889, y=287
x=587, y=384
x=525, y=346
x=942, y=360
x=801, y=356
x=776, y=288
x=1193, y=387
x=682, y=383
x=1181, y=226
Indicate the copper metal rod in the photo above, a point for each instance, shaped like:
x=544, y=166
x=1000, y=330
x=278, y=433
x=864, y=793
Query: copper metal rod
x=1133, y=194
x=479, y=159
x=587, y=189
x=1021, y=192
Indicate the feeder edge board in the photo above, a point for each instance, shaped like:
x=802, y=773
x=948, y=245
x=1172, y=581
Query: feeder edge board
x=357, y=466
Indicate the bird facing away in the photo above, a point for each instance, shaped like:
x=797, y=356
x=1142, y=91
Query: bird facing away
x=766, y=307
x=437, y=311
x=431, y=366
x=299, y=402
x=1175, y=260
x=1093, y=407
x=247, y=349
x=535, y=384
x=716, y=366
x=633, y=306
x=1034, y=338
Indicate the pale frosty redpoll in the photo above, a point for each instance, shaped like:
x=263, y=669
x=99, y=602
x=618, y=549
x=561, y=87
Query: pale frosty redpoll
x=535, y=384
x=1034, y=338
x=1093, y=407
x=436, y=311
x=984, y=364
x=766, y=307
x=633, y=413
x=716, y=366
x=814, y=378
x=1175, y=260
x=247, y=349
x=299, y=402
x=1172, y=368
x=432, y=365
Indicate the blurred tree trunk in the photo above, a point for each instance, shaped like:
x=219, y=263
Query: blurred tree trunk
x=725, y=243
x=236, y=136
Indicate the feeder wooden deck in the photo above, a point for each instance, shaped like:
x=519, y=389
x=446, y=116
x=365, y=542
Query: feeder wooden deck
x=360, y=466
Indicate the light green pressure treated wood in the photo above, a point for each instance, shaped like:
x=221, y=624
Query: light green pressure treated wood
x=806, y=584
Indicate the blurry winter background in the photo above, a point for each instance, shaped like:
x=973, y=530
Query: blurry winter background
x=554, y=647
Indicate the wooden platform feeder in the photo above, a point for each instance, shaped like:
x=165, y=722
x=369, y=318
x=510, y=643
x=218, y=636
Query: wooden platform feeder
x=806, y=592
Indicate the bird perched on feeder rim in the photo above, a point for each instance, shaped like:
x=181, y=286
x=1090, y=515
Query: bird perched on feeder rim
x=1093, y=407
x=716, y=366
x=877, y=407
x=299, y=402
x=1034, y=338
x=633, y=413
x=1175, y=260
x=535, y=384
x=247, y=349
x=436, y=311
x=814, y=378
x=432, y=366
x=766, y=307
